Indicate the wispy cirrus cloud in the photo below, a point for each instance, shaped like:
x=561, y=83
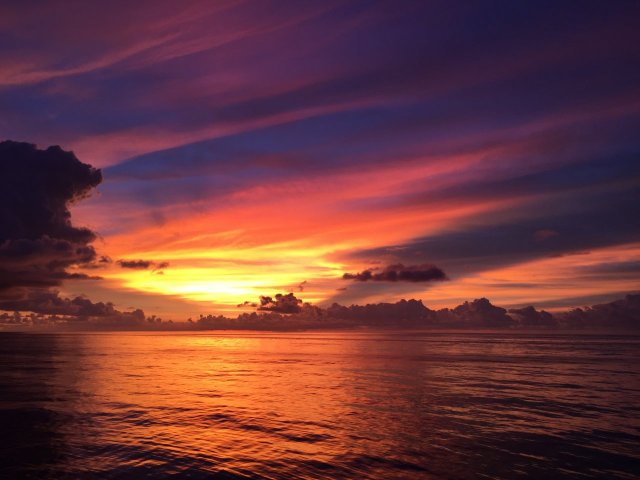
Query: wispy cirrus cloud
x=321, y=138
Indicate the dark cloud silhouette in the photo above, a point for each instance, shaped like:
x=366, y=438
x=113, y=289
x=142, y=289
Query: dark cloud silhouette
x=39, y=246
x=285, y=312
x=40, y=262
x=50, y=302
x=405, y=313
x=135, y=264
x=400, y=273
x=247, y=303
x=480, y=313
x=48, y=308
x=143, y=264
x=101, y=262
x=37, y=188
x=530, y=317
x=620, y=314
x=38, y=243
x=413, y=314
x=281, y=303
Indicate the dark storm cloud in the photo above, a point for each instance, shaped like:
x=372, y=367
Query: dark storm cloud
x=39, y=244
x=37, y=188
x=37, y=240
x=281, y=303
x=400, y=273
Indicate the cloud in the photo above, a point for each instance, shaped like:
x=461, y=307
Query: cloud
x=616, y=269
x=38, y=243
x=281, y=303
x=530, y=317
x=174, y=75
x=413, y=314
x=143, y=265
x=286, y=312
x=480, y=313
x=400, y=273
x=135, y=264
x=50, y=302
x=247, y=303
x=512, y=236
x=622, y=314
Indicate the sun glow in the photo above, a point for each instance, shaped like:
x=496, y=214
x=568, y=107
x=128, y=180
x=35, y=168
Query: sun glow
x=234, y=276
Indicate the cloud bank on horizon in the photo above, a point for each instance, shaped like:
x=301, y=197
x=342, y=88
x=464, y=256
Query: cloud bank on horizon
x=257, y=146
x=287, y=312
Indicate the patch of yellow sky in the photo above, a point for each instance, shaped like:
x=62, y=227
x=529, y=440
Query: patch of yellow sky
x=227, y=277
x=265, y=257
x=270, y=238
x=228, y=268
x=231, y=276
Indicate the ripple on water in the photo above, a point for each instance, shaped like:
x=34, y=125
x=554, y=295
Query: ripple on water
x=332, y=405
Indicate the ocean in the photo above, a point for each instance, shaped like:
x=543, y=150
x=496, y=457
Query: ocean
x=322, y=405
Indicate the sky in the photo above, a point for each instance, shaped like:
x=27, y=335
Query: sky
x=348, y=151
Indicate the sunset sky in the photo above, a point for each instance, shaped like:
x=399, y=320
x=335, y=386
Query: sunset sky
x=252, y=148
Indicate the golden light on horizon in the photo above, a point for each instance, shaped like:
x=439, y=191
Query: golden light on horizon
x=231, y=276
x=319, y=240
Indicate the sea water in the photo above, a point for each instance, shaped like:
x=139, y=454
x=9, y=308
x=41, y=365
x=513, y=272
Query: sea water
x=323, y=405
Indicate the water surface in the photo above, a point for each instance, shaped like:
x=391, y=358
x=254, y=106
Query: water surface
x=388, y=405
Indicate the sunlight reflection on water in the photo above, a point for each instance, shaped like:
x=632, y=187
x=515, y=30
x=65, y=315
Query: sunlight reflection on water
x=320, y=405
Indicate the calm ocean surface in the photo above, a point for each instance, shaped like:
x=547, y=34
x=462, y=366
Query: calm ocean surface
x=319, y=405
